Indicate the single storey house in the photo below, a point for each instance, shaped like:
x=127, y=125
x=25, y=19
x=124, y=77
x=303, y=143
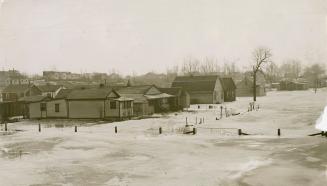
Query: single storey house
x=202, y=89
x=244, y=88
x=180, y=99
x=98, y=103
x=148, y=99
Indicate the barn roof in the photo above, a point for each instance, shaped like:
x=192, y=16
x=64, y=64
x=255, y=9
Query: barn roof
x=196, y=83
x=93, y=93
x=48, y=88
x=227, y=83
x=16, y=88
x=140, y=89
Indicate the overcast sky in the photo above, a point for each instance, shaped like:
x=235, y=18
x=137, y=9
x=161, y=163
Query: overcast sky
x=150, y=35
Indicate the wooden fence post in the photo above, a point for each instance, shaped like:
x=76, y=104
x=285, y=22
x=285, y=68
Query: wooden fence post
x=160, y=130
x=194, y=131
x=75, y=128
x=116, y=129
x=39, y=127
x=278, y=132
x=239, y=132
x=6, y=127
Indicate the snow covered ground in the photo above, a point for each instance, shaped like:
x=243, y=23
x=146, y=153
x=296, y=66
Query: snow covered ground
x=138, y=155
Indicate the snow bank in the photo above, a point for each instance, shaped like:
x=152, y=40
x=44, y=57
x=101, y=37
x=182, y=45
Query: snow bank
x=321, y=123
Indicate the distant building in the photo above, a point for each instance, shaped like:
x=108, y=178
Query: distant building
x=180, y=100
x=202, y=89
x=298, y=84
x=14, y=92
x=244, y=88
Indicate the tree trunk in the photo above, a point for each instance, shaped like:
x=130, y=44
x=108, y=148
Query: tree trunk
x=254, y=86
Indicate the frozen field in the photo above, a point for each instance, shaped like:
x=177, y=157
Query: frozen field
x=138, y=155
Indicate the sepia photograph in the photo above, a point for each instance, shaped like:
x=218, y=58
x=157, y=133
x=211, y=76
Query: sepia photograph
x=163, y=92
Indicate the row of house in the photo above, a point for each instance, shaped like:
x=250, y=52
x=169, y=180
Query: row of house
x=120, y=102
x=104, y=102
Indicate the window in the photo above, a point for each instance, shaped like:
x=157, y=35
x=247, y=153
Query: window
x=43, y=106
x=57, y=107
x=113, y=105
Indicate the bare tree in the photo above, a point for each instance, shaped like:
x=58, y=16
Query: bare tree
x=271, y=72
x=291, y=69
x=261, y=56
x=190, y=66
x=208, y=66
x=313, y=73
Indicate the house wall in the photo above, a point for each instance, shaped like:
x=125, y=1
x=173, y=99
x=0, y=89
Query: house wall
x=201, y=97
x=87, y=109
x=218, y=94
x=35, y=110
x=185, y=100
x=111, y=112
x=51, y=112
x=229, y=95
x=125, y=112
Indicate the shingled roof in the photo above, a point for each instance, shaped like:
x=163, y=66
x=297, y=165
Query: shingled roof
x=196, y=83
x=93, y=93
x=140, y=89
x=31, y=99
x=48, y=88
x=63, y=93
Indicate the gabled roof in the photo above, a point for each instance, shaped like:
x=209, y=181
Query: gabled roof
x=63, y=93
x=227, y=83
x=141, y=89
x=31, y=99
x=196, y=83
x=48, y=88
x=93, y=93
x=16, y=88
